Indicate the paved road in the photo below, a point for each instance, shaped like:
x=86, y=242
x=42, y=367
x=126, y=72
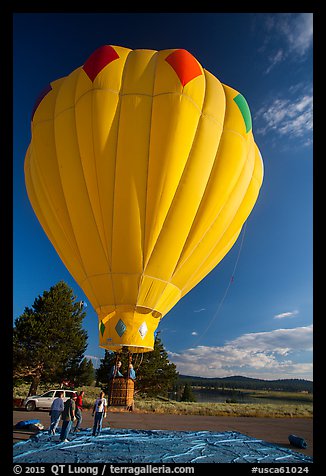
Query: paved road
x=273, y=430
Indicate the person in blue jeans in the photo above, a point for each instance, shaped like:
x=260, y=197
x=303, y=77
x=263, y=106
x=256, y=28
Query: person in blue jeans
x=79, y=409
x=68, y=416
x=99, y=410
x=55, y=412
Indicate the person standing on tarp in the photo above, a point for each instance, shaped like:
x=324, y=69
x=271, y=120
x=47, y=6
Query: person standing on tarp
x=79, y=409
x=99, y=410
x=55, y=412
x=68, y=416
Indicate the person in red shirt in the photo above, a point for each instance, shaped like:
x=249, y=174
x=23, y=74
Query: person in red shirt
x=79, y=409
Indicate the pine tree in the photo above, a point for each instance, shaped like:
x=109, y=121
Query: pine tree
x=188, y=395
x=48, y=339
x=102, y=373
x=156, y=374
x=84, y=374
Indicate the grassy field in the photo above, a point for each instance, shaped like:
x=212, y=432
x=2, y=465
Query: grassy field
x=289, y=396
x=292, y=407
x=226, y=409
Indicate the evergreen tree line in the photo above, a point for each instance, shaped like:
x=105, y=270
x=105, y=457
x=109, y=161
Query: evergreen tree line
x=226, y=384
x=49, y=344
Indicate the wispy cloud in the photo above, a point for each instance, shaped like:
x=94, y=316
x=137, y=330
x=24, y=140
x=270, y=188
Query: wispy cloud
x=95, y=360
x=290, y=117
x=262, y=355
x=200, y=310
x=297, y=31
x=274, y=59
x=292, y=32
x=284, y=315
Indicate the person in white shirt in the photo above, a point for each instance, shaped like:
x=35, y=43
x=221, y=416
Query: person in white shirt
x=99, y=409
x=55, y=412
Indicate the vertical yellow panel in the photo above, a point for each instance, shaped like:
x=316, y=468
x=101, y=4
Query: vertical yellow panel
x=139, y=73
x=212, y=260
x=131, y=168
x=218, y=227
x=186, y=201
x=130, y=184
x=226, y=170
x=169, y=151
x=97, y=137
x=218, y=186
x=73, y=182
x=217, y=253
x=175, y=116
x=55, y=228
x=44, y=158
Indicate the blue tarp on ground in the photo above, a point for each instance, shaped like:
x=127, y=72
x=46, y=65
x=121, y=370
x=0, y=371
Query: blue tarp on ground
x=153, y=446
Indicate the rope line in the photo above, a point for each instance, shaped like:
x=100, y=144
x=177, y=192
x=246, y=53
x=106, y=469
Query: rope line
x=227, y=288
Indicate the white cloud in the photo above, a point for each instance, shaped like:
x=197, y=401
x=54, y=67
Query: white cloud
x=194, y=333
x=200, y=310
x=294, y=32
x=274, y=60
x=290, y=117
x=286, y=314
x=297, y=31
x=261, y=355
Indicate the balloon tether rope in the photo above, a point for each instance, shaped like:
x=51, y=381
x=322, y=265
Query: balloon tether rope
x=227, y=288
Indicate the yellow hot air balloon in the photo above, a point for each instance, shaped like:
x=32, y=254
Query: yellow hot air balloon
x=142, y=169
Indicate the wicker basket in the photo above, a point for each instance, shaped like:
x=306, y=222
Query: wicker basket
x=121, y=392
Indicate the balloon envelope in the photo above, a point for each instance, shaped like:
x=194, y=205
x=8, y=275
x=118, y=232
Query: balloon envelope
x=142, y=169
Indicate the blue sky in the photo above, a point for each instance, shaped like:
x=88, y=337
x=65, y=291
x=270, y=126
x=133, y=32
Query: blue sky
x=252, y=315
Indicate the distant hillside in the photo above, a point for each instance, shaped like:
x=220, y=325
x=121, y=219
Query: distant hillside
x=237, y=381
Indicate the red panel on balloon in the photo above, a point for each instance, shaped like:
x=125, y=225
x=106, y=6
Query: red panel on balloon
x=98, y=60
x=185, y=65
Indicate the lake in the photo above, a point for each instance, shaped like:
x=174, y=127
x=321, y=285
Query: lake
x=235, y=396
